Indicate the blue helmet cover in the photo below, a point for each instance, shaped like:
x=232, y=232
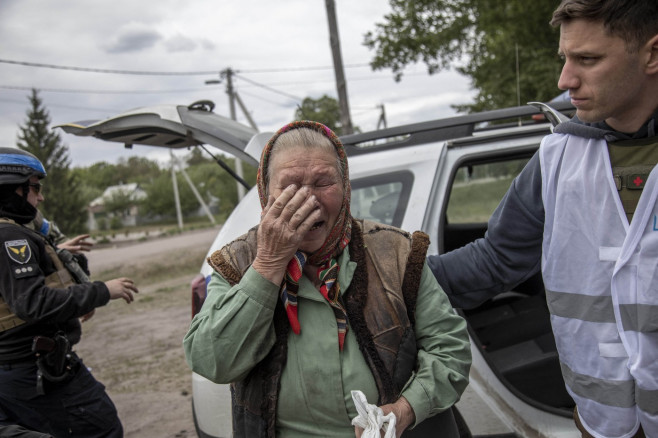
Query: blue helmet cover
x=17, y=166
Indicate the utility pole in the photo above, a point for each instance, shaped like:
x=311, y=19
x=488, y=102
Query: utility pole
x=518, y=76
x=233, y=97
x=228, y=74
x=382, y=116
x=179, y=214
x=341, y=84
x=193, y=188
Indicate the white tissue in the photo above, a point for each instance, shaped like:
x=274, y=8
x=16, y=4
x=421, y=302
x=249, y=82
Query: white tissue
x=371, y=418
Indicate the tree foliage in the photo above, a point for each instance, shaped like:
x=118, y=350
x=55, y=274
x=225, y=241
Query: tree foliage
x=485, y=35
x=214, y=181
x=325, y=110
x=64, y=203
x=119, y=202
x=196, y=157
x=210, y=180
x=134, y=169
x=160, y=199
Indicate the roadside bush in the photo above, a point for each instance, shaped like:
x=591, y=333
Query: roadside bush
x=115, y=223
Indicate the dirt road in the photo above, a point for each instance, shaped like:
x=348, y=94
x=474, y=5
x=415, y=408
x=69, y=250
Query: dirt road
x=136, y=350
x=101, y=259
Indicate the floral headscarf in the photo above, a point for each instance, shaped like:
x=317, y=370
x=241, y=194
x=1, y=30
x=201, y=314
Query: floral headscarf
x=324, y=257
x=339, y=235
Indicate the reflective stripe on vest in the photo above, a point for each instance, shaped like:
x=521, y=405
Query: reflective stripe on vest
x=641, y=318
x=618, y=393
x=583, y=307
x=612, y=393
x=634, y=317
x=598, y=287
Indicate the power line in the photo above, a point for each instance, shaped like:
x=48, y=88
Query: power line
x=299, y=99
x=162, y=73
x=256, y=96
x=283, y=70
x=331, y=79
x=102, y=70
x=56, y=105
x=66, y=90
x=188, y=90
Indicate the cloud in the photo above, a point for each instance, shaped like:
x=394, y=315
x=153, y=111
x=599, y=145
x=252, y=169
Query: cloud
x=180, y=43
x=133, y=39
x=207, y=44
x=272, y=62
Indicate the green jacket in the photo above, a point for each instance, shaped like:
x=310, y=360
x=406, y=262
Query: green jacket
x=234, y=331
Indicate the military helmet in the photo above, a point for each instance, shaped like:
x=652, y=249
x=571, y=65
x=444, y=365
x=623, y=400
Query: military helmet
x=17, y=166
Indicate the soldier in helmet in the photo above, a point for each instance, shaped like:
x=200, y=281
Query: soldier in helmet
x=44, y=385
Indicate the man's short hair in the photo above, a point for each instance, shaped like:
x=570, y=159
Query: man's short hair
x=634, y=21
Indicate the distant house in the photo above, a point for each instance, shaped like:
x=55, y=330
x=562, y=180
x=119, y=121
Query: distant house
x=118, y=203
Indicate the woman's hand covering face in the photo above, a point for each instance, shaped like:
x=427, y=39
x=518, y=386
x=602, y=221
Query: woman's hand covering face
x=283, y=225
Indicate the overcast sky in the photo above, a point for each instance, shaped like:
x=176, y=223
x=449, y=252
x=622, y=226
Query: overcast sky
x=279, y=49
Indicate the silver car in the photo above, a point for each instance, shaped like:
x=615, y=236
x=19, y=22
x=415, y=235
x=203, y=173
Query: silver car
x=444, y=177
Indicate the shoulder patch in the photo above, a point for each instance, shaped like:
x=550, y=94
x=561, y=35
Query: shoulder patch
x=18, y=250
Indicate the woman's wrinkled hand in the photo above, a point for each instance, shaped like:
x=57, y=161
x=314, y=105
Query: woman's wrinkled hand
x=404, y=417
x=404, y=414
x=284, y=223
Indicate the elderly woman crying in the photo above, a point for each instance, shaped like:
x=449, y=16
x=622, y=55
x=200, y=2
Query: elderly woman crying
x=313, y=303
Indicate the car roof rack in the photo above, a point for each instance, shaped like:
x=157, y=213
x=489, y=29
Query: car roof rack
x=443, y=129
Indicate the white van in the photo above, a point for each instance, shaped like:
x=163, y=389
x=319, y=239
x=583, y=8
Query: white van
x=444, y=177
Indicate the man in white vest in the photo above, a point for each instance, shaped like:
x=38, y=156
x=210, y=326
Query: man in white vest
x=584, y=211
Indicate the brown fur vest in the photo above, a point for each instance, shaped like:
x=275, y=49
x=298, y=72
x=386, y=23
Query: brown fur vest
x=389, y=266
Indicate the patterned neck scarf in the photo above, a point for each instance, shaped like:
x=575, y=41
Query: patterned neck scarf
x=325, y=256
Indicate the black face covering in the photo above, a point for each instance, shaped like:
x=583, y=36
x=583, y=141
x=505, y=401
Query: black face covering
x=15, y=207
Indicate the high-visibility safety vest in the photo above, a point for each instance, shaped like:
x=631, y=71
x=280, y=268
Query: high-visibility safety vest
x=601, y=280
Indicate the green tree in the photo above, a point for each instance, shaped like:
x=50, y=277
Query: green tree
x=210, y=180
x=119, y=203
x=136, y=169
x=102, y=175
x=213, y=181
x=97, y=178
x=324, y=110
x=197, y=156
x=99, y=175
x=64, y=203
x=160, y=200
x=485, y=34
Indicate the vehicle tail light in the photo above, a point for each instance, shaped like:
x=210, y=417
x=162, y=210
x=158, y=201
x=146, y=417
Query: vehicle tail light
x=198, y=286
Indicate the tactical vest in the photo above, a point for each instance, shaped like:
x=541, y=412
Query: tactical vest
x=60, y=279
x=632, y=162
x=389, y=267
x=600, y=276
